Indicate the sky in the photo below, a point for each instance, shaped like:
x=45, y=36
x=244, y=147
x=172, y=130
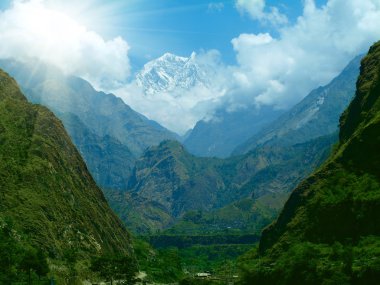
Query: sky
x=153, y=28
x=262, y=52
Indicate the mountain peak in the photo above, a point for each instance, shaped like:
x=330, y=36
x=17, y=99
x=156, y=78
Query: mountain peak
x=172, y=57
x=170, y=73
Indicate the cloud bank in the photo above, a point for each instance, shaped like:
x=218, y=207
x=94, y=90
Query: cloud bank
x=273, y=71
x=281, y=71
x=28, y=29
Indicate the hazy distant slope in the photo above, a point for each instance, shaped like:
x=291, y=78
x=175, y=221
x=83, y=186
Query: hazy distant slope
x=316, y=115
x=223, y=133
x=109, y=161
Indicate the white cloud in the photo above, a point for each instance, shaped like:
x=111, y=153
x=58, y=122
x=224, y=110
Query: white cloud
x=256, y=9
x=281, y=71
x=215, y=6
x=28, y=29
x=277, y=71
x=178, y=114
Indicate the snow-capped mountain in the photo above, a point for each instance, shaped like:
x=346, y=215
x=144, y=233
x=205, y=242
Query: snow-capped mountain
x=171, y=73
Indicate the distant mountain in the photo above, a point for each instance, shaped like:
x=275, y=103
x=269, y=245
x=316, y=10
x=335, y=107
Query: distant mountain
x=316, y=115
x=329, y=229
x=169, y=73
x=109, y=161
x=220, y=135
x=97, y=115
x=45, y=187
x=247, y=216
x=167, y=181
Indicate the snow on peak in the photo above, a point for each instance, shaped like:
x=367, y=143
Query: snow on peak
x=171, y=72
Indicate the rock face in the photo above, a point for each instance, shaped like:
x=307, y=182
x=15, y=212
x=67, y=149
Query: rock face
x=316, y=115
x=328, y=231
x=169, y=73
x=101, y=125
x=45, y=186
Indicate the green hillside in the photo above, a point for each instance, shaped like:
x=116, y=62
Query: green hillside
x=329, y=230
x=45, y=187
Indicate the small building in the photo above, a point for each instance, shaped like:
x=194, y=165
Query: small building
x=203, y=275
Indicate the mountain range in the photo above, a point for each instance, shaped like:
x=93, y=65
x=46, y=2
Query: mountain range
x=328, y=231
x=236, y=132
x=168, y=182
x=157, y=190
x=316, y=115
x=226, y=130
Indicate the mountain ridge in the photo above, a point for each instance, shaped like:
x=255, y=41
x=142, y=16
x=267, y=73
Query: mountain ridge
x=46, y=188
x=316, y=115
x=167, y=181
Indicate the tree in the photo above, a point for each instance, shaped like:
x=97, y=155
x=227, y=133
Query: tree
x=18, y=256
x=34, y=261
x=110, y=267
x=9, y=249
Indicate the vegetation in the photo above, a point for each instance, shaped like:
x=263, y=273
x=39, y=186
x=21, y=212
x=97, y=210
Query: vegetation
x=328, y=232
x=163, y=265
x=184, y=241
x=170, y=263
x=19, y=261
x=244, y=217
x=111, y=267
x=48, y=193
x=220, y=260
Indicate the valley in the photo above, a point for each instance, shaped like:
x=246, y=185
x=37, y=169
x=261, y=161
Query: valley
x=192, y=214
x=170, y=162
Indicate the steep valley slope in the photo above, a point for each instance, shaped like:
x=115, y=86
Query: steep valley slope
x=45, y=187
x=328, y=231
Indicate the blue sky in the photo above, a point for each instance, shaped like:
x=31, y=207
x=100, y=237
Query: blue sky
x=152, y=28
x=270, y=52
x=182, y=26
